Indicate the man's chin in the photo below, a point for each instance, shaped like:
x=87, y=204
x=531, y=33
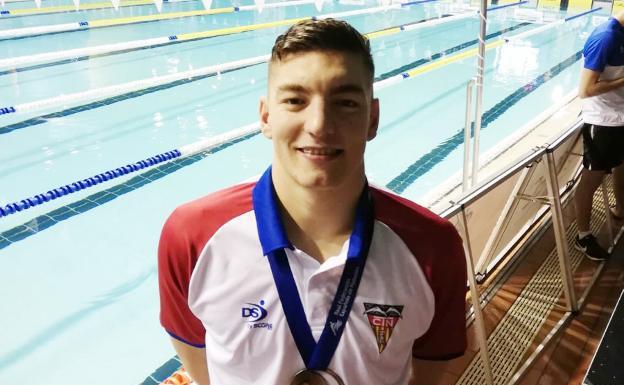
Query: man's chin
x=319, y=181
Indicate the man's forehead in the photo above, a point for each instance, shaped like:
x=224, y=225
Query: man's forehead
x=345, y=69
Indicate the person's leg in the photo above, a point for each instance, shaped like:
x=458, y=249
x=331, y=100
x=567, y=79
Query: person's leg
x=618, y=189
x=583, y=198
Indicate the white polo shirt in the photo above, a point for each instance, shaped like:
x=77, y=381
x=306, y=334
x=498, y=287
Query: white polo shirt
x=217, y=290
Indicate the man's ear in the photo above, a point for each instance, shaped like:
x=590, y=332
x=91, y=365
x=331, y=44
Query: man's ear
x=264, y=118
x=374, y=120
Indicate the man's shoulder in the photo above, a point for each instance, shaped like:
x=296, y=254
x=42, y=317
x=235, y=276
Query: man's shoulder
x=408, y=219
x=424, y=232
x=212, y=211
x=601, y=37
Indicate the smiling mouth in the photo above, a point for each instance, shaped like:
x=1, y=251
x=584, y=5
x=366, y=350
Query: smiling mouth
x=320, y=151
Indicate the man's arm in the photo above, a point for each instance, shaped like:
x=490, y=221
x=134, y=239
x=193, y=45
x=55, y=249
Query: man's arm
x=590, y=85
x=194, y=361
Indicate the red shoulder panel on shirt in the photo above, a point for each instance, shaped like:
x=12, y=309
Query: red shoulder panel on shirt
x=183, y=237
x=438, y=248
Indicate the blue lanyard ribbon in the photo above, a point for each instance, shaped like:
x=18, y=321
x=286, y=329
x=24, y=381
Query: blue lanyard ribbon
x=317, y=356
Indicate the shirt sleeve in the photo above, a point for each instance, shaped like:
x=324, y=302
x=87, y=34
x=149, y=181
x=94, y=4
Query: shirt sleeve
x=597, y=51
x=446, y=337
x=177, y=255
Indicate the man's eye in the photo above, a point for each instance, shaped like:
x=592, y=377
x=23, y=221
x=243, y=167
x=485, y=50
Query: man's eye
x=293, y=101
x=349, y=103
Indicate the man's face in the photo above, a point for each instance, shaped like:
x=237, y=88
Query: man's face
x=319, y=114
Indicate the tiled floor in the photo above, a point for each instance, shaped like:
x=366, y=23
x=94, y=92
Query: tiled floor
x=567, y=357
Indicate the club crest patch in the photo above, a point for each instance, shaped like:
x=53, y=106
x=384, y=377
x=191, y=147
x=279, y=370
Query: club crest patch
x=383, y=319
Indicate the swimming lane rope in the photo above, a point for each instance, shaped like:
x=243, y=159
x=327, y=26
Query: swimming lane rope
x=83, y=7
x=193, y=148
x=118, y=89
x=101, y=23
x=164, y=40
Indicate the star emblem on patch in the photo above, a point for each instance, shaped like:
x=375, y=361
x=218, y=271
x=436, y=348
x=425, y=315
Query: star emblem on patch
x=382, y=319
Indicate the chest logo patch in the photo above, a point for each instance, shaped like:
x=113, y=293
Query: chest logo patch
x=382, y=319
x=254, y=314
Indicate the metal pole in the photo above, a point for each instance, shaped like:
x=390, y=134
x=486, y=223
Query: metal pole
x=479, y=107
x=465, y=178
x=476, y=305
x=562, y=244
x=609, y=220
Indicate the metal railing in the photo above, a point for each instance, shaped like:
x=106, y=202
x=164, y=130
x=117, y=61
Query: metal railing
x=505, y=209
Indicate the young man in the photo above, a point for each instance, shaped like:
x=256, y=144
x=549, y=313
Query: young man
x=309, y=275
x=602, y=90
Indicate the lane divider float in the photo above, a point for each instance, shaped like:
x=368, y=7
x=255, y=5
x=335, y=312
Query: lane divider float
x=102, y=23
x=164, y=40
x=83, y=7
x=136, y=85
x=199, y=146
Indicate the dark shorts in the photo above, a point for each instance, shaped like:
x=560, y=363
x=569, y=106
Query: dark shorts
x=603, y=147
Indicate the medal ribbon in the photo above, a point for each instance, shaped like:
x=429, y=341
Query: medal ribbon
x=317, y=356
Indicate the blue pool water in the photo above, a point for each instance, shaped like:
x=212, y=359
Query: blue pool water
x=79, y=287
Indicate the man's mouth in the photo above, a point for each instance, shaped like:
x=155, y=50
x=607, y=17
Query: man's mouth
x=320, y=151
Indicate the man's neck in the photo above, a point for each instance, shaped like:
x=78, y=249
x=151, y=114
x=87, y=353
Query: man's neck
x=318, y=220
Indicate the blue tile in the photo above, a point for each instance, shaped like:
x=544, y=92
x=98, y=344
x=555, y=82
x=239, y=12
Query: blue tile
x=120, y=189
x=17, y=233
x=149, y=381
x=102, y=198
x=82, y=205
x=137, y=182
x=4, y=242
x=62, y=213
x=41, y=222
x=153, y=174
x=166, y=370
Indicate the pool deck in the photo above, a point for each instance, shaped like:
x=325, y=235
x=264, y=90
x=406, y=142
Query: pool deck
x=566, y=358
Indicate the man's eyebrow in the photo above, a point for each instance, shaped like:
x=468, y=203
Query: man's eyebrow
x=291, y=88
x=348, y=88
x=341, y=89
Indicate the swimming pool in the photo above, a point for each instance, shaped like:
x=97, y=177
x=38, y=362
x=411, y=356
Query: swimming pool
x=79, y=290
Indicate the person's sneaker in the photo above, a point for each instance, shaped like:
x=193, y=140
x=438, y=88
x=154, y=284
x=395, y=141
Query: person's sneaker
x=589, y=246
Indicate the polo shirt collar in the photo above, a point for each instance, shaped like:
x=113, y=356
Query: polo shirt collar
x=271, y=229
x=268, y=220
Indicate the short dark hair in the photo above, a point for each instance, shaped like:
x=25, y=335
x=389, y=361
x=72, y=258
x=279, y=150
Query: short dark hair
x=323, y=35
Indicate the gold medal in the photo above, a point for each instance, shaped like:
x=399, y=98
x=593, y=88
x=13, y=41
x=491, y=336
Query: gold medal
x=315, y=377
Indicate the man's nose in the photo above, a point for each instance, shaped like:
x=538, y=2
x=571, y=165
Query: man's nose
x=319, y=118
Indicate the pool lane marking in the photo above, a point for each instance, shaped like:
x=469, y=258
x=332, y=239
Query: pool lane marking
x=399, y=183
x=535, y=31
x=465, y=54
x=184, y=151
x=101, y=23
x=184, y=78
x=187, y=150
x=154, y=81
x=133, y=86
x=86, y=25
x=78, y=54
x=426, y=162
x=92, y=201
x=83, y=7
x=405, y=27
x=170, y=39
x=125, y=87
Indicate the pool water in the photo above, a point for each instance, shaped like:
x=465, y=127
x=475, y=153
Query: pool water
x=79, y=287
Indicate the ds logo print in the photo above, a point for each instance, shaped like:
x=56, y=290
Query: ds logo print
x=254, y=313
